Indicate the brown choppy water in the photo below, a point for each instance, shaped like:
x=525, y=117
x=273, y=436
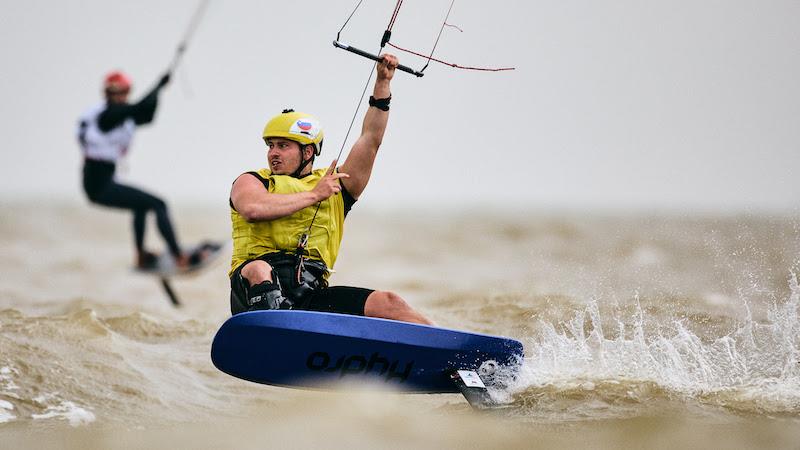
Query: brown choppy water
x=640, y=331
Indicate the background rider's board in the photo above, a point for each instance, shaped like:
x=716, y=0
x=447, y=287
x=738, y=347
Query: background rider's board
x=313, y=349
x=202, y=255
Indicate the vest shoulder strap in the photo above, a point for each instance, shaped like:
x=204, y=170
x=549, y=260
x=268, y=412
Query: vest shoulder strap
x=264, y=181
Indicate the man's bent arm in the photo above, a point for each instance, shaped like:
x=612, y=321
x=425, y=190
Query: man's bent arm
x=361, y=159
x=253, y=202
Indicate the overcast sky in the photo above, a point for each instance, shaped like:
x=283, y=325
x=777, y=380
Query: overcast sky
x=678, y=104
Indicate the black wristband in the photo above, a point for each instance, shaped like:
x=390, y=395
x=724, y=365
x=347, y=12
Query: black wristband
x=380, y=103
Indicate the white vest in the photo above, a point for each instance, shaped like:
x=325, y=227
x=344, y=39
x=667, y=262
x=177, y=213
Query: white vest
x=110, y=146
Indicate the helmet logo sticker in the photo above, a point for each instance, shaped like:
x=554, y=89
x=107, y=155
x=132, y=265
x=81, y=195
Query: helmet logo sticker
x=306, y=127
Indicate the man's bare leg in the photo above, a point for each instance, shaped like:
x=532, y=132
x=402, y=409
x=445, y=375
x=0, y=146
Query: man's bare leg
x=388, y=305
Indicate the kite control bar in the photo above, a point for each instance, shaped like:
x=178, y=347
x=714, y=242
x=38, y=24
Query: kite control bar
x=373, y=57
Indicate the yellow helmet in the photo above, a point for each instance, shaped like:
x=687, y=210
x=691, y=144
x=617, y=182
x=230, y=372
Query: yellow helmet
x=297, y=126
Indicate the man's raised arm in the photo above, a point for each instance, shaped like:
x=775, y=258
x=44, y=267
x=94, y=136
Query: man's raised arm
x=362, y=156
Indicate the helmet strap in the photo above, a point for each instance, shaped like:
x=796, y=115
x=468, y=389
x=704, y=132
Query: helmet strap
x=303, y=163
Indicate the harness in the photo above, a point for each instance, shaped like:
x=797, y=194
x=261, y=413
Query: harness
x=297, y=277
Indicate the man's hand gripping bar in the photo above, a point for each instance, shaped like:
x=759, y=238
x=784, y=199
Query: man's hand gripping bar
x=375, y=58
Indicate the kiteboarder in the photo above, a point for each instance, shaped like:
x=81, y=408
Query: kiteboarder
x=105, y=133
x=288, y=218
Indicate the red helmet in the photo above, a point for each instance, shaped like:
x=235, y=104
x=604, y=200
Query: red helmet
x=117, y=81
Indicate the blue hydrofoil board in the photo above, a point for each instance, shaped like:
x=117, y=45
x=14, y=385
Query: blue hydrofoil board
x=313, y=350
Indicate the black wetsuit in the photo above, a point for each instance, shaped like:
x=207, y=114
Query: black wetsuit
x=98, y=175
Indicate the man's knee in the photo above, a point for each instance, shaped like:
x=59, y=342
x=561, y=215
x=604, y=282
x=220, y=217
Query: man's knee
x=256, y=272
x=158, y=205
x=385, y=303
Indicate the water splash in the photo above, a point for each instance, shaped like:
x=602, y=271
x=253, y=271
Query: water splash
x=752, y=368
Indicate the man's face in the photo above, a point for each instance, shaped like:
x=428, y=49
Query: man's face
x=117, y=95
x=283, y=156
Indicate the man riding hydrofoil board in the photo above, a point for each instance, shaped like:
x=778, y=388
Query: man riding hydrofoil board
x=105, y=133
x=288, y=219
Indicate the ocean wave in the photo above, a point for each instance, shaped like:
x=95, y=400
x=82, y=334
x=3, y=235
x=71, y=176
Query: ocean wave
x=79, y=366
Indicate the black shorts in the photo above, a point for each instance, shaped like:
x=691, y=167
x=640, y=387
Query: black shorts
x=336, y=299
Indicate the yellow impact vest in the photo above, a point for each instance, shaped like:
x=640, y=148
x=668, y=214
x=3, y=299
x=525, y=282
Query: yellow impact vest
x=253, y=239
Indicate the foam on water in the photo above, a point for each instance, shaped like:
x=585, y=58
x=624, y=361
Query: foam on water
x=68, y=411
x=52, y=404
x=6, y=414
x=7, y=384
x=8, y=389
